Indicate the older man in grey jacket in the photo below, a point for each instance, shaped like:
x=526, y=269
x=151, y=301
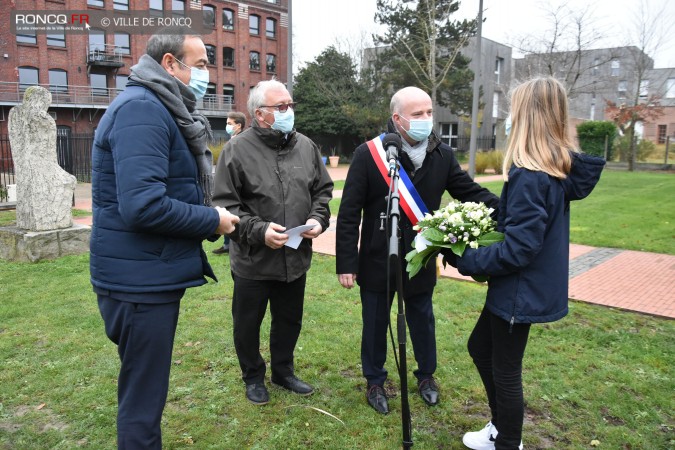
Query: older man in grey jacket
x=273, y=178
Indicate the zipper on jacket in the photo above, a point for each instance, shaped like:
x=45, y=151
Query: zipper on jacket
x=513, y=319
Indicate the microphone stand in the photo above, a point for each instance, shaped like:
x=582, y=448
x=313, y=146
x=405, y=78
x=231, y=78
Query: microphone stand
x=395, y=261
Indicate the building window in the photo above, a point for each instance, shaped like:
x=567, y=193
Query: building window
x=178, y=6
x=96, y=41
x=56, y=39
x=122, y=43
x=26, y=37
x=122, y=5
x=228, y=92
x=499, y=63
x=58, y=80
x=254, y=24
x=254, y=61
x=662, y=134
x=622, y=86
x=449, y=134
x=228, y=57
x=156, y=7
x=99, y=84
x=616, y=66
x=28, y=76
x=271, y=28
x=209, y=12
x=121, y=82
x=644, y=88
x=211, y=53
x=271, y=62
x=596, y=64
x=495, y=104
x=98, y=3
x=228, y=19
x=210, y=96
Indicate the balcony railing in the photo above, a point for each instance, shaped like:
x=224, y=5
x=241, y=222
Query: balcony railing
x=11, y=93
x=106, y=55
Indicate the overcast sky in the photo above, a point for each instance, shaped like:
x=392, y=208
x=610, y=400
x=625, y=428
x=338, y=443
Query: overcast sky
x=319, y=23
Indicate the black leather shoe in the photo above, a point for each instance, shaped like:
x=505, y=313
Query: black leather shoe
x=428, y=390
x=257, y=393
x=377, y=398
x=293, y=384
x=221, y=251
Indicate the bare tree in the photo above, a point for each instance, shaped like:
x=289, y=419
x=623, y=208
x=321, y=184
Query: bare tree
x=562, y=51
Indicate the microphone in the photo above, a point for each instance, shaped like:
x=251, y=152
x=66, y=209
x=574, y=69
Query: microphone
x=392, y=144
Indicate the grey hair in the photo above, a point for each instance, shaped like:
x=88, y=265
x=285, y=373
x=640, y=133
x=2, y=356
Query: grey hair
x=159, y=44
x=256, y=98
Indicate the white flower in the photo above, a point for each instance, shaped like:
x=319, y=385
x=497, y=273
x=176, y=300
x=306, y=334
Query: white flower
x=473, y=244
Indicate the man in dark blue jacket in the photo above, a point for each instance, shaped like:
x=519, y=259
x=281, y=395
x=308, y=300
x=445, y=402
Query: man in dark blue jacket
x=151, y=191
x=433, y=170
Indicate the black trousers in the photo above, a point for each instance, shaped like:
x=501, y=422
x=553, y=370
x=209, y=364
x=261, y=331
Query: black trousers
x=249, y=304
x=144, y=334
x=497, y=350
x=375, y=307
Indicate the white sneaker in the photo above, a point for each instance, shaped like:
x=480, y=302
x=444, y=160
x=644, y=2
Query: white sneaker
x=483, y=439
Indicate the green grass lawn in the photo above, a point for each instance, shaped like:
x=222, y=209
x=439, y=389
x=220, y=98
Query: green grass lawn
x=599, y=374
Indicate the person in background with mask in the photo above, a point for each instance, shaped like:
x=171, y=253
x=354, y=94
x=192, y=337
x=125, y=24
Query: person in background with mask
x=432, y=169
x=151, y=192
x=274, y=179
x=236, y=122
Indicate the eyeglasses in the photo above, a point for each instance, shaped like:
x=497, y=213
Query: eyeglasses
x=281, y=108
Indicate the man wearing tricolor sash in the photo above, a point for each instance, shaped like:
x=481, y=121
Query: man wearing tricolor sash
x=428, y=168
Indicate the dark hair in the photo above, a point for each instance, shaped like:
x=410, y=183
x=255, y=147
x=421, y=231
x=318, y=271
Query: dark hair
x=161, y=43
x=239, y=118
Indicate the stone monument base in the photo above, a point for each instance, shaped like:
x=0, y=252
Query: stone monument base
x=32, y=246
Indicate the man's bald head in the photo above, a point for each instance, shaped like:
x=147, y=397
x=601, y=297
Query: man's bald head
x=407, y=95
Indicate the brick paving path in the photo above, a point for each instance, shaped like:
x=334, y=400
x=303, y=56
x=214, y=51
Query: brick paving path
x=635, y=281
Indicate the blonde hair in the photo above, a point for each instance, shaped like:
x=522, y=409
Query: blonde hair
x=540, y=138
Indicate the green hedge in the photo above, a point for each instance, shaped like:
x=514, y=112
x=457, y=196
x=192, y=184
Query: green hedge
x=592, y=137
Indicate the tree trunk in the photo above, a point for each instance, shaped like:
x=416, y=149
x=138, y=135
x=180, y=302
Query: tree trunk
x=632, y=150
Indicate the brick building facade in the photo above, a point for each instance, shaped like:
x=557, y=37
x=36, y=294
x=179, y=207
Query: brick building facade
x=85, y=72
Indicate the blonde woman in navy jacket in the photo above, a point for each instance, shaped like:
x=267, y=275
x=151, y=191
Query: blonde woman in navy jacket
x=529, y=270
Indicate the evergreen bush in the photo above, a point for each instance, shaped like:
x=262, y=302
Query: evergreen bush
x=592, y=137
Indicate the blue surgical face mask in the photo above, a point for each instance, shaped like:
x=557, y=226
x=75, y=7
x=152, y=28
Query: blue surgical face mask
x=199, y=80
x=420, y=129
x=229, y=129
x=284, y=121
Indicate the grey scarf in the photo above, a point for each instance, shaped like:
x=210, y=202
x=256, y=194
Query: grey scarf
x=416, y=153
x=180, y=101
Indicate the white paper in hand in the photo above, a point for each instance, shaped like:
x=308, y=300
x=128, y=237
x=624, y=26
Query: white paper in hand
x=294, y=238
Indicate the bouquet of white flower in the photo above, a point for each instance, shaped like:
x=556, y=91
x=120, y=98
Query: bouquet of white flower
x=454, y=226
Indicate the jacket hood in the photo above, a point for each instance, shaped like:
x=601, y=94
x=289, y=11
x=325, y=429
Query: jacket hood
x=583, y=176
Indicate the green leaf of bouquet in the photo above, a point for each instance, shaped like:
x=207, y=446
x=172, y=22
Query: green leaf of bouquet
x=410, y=255
x=490, y=238
x=458, y=248
x=434, y=235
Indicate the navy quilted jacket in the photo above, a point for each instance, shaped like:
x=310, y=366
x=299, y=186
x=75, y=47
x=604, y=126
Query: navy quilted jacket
x=529, y=269
x=149, y=220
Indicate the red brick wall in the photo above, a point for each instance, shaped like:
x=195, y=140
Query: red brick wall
x=72, y=58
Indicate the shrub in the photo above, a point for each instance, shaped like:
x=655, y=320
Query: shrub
x=644, y=148
x=482, y=162
x=496, y=159
x=216, y=148
x=592, y=137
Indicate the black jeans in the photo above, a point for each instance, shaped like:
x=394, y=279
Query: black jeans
x=249, y=304
x=497, y=349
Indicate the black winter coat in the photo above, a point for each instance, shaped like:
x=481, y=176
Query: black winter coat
x=365, y=191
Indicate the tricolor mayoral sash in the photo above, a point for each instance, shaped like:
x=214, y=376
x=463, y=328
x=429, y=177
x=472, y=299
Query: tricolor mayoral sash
x=410, y=200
